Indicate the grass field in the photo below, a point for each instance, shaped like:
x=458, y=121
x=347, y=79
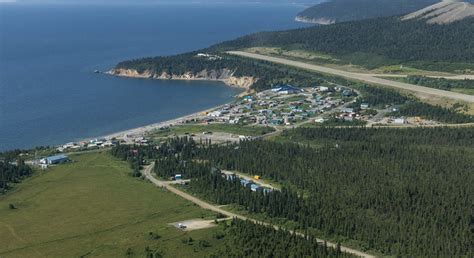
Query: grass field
x=92, y=207
x=464, y=91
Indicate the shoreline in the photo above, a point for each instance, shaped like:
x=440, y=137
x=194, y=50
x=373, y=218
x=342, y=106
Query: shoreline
x=141, y=131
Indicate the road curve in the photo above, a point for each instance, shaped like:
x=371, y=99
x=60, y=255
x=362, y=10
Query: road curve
x=367, y=78
x=148, y=173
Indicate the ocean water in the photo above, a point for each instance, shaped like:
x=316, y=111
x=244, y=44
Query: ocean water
x=49, y=94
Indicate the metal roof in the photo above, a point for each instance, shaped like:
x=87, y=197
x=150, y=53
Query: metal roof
x=57, y=157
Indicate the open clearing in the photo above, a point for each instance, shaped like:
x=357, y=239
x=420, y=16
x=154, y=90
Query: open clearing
x=195, y=224
x=92, y=207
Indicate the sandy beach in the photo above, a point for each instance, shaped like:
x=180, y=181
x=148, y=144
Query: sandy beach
x=141, y=131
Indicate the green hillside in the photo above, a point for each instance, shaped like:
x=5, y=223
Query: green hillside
x=376, y=42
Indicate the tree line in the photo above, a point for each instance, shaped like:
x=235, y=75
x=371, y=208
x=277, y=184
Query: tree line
x=10, y=174
x=439, y=83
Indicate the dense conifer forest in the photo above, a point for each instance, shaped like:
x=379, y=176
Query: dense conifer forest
x=376, y=42
x=398, y=191
x=268, y=74
x=247, y=239
x=439, y=83
x=10, y=173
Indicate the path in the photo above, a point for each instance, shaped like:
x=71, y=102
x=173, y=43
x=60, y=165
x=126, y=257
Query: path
x=367, y=78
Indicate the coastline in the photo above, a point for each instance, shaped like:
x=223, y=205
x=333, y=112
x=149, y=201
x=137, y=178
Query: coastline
x=143, y=130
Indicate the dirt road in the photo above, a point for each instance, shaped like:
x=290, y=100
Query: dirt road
x=148, y=173
x=249, y=178
x=367, y=78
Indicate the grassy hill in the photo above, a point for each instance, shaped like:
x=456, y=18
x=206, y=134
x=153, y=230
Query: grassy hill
x=93, y=207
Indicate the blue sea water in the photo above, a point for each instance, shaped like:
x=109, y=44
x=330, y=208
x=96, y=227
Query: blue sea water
x=50, y=95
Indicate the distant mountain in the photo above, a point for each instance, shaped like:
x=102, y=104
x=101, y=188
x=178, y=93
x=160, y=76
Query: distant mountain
x=443, y=13
x=125, y=2
x=350, y=10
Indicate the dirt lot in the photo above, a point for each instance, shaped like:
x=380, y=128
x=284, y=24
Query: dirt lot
x=194, y=224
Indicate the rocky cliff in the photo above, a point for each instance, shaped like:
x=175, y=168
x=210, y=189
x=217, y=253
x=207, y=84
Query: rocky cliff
x=224, y=75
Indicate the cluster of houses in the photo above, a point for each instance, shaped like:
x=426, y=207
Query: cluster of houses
x=254, y=187
x=349, y=114
x=282, y=105
x=209, y=56
x=92, y=144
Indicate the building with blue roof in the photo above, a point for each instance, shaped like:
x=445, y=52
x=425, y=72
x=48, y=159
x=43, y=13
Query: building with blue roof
x=287, y=89
x=244, y=182
x=254, y=187
x=57, y=159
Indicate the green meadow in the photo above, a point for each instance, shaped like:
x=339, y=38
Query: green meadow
x=92, y=207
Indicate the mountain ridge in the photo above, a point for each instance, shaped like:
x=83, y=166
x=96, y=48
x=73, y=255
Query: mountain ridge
x=351, y=10
x=445, y=12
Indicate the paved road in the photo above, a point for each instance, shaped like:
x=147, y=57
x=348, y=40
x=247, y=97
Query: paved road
x=148, y=173
x=447, y=77
x=367, y=78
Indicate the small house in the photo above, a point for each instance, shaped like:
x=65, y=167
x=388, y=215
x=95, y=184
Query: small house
x=323, y=88
x=364, y=106
x=348, y=110
x=254, y=187
x=400, y=121
x=319, y=120
x=178, y=177
x=347, y=93
x=244, y=182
